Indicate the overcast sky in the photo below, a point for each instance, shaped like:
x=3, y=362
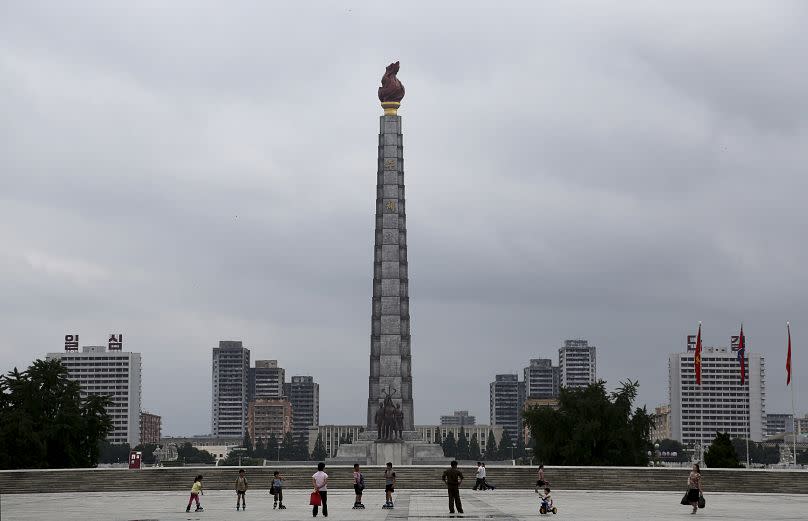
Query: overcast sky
x=608, y=171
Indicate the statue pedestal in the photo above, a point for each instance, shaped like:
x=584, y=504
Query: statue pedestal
x=412, y=450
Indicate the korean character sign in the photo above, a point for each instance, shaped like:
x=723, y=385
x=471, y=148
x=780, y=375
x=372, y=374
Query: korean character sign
x=115, y=342
x=71, y=342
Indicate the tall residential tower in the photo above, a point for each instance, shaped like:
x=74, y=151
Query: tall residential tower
x=231, y=369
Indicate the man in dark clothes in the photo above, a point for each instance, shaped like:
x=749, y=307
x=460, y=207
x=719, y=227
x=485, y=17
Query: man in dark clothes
x=453, y=478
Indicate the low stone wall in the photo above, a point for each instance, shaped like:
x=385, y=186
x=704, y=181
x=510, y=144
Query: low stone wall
x=410, y=477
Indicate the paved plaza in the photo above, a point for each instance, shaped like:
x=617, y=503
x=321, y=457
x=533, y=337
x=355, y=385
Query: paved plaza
x=422, y=505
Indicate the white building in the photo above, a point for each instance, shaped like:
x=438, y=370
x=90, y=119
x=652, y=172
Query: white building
x=231, y=371
x=720, y=403
x=542, y=379
x=115, y=374
x=577, y=363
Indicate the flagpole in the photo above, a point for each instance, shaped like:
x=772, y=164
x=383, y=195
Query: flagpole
x=791, y=383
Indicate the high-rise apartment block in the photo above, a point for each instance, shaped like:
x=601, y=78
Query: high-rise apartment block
x=458, y=418
x=542, y=379
x=231, y=370
x=150, y=428
x=779, y=424
x=720, y=403
x=111, y=373
x=266, y=380
x=577, y=363
x=269, y=417
x=304, y=395
x=506, y=398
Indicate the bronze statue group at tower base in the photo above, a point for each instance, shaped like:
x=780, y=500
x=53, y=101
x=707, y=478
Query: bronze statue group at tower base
x=389, y=420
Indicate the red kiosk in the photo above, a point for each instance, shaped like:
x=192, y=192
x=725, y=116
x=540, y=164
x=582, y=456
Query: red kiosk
x=134, y=459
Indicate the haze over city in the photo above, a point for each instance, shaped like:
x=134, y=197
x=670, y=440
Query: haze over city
x=192, y=173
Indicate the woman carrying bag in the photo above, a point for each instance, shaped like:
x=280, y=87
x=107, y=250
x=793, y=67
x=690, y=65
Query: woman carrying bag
x=693, y=496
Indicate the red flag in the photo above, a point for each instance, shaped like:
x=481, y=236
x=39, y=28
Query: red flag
x=742, y=355
x=788, y=358
x=697, y=357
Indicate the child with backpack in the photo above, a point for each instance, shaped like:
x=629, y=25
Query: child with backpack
x=277, y=491
x=359, y=486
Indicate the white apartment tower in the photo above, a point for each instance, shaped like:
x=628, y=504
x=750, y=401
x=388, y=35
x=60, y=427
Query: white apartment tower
x=720, y=403
x=231, y=371
x=111, y=373
x=577, y=363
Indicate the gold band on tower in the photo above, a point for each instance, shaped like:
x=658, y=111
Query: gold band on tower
x=390, y=108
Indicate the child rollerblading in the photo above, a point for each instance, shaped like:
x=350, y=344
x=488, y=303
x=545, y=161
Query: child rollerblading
x=277, y=491
x=241, y=490
x=359, y=486
x=389, y=485
x=196, y=490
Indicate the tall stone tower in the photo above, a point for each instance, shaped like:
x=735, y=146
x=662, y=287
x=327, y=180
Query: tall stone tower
x=390, y=355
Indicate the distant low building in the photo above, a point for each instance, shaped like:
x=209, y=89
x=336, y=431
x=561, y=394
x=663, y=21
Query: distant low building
x=661, y=429
x=268, y=417
x=150, y=428
x=333, y=436
x=219, y=446
x=458, y=418
x=433, y=433
x=779, y=424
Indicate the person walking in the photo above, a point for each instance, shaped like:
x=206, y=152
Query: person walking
x=320, y=482
x=453, y=479
x=540, y=479
x=196, y=490
x=389, y=485
x=358, y=486
x=479, y=477
x=694, y=487
x=241, y=490
x=486, y=485
x=277, y=491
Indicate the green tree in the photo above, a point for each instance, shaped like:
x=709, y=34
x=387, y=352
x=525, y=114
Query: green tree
x=462, y=445
x=302, y=448
x=505, y=445
x=319, y=453
x=44, y=421
x=189, y=454
x=113, y=452
x=670, y=446
x=450, y=446
x=721, y=454
x=592, y=427
x=247, y=444
x=491, y=447
x=474, y=448
x=259, y=451
x=148, y=452
x=288, y=447
x=272, y=447
x=765, y=453
x=520, y=453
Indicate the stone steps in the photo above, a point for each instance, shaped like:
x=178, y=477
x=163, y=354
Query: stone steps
x=420, y=477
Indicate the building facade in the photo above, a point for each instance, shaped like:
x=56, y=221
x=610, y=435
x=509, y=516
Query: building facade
x=116, y=374
x=506, y=400
x=231, y=369
x=266, y=380
x=438, y=433
x=577, y=362
x=333, y=436
x=268, y=417
x=304, y=395
x=720, y=403
x=779, y=424
x=542, y=379
x=150, y=428
x=458, y=418
x=661, y=429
